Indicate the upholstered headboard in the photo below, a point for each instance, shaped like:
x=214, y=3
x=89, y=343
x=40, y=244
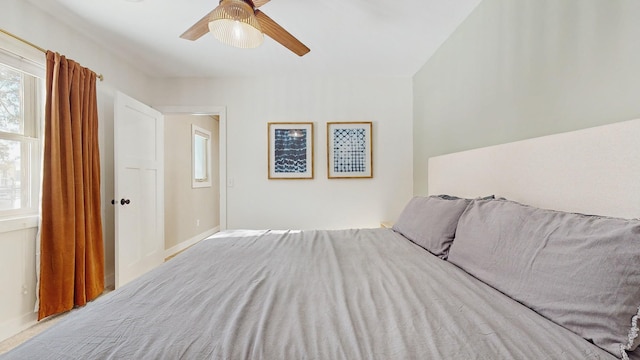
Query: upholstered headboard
x=592, y=171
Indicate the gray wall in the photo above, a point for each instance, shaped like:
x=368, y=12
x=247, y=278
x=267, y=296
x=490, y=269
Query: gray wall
x=520, y=69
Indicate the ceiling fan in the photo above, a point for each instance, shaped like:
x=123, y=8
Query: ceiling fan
x=239, y=23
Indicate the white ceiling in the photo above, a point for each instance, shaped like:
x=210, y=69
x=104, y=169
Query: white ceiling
x=346, y=37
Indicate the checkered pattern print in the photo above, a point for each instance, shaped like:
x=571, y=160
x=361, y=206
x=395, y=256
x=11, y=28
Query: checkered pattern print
x=349, y=151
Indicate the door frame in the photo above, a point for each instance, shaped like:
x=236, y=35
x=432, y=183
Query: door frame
x=221, y=112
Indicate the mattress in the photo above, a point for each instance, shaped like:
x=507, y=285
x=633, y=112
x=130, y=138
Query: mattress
x=340, y=294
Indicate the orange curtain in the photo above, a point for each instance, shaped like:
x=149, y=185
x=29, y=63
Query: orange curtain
x=71, y=243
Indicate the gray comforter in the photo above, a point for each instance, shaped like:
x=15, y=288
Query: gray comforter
x=348, y=294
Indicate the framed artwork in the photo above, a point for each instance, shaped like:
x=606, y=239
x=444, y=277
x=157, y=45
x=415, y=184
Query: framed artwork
x=290, y=150
x=349, y=150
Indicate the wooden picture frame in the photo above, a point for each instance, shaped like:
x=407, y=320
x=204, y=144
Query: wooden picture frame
x=349, y=150
x=290, y=150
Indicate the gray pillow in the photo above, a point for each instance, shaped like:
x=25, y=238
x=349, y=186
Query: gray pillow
x=580, y=271
x=431, y=222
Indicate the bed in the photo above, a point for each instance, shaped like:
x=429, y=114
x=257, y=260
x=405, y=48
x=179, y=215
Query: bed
x=461, y=275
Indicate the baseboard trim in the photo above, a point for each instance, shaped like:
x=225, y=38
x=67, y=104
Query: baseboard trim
x=189, y=242
x=110, y=281
x=16, y=325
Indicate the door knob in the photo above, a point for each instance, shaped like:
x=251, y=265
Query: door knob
x=125, y=202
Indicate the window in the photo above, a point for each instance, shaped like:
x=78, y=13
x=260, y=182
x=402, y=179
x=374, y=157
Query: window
x=200, y=156
x=20, y=119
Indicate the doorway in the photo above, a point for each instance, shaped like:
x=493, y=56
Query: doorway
x=193, y=213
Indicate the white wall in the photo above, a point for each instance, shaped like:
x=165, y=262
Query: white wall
x=253, y=201
x=256, y=202
x=520, y=69
x=23, y=19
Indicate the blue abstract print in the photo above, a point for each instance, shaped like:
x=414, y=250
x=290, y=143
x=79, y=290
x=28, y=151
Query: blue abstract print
x=349, y=150
x=290, y=151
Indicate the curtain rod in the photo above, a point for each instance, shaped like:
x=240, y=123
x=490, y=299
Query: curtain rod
x=99, y=76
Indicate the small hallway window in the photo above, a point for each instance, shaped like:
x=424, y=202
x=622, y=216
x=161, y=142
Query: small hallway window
x=201, y=157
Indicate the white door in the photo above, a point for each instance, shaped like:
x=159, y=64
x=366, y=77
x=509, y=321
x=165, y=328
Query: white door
x=139, y=188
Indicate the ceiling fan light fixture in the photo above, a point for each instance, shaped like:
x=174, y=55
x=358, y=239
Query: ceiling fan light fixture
x=234, y=23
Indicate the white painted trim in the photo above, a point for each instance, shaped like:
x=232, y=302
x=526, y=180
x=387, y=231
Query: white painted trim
x=221, y=111
x=194, y=240
x=110, y=280
x=17, y=54
x=16, y=325
x=18, y=223
x=197, y=130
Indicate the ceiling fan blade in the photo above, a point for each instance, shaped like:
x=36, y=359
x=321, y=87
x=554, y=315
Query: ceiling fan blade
x=198, y=29
x=258, y=3
x=277, y=33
